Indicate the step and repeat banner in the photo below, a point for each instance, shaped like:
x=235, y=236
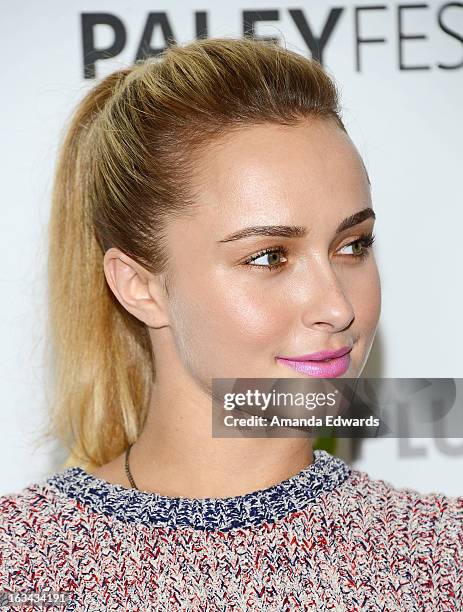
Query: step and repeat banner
x=399, y=69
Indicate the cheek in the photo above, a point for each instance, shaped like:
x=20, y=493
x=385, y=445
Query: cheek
x=245, y=315
x=223, y=315
x=225, y=329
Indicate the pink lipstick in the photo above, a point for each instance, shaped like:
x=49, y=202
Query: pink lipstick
x=324, y=364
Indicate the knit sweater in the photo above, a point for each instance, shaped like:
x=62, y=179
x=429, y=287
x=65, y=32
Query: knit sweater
x=328, y=538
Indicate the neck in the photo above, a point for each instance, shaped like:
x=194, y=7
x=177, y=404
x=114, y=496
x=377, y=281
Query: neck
x=176, y=455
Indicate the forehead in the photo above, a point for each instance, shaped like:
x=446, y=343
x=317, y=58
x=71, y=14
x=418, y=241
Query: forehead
x=313, y=164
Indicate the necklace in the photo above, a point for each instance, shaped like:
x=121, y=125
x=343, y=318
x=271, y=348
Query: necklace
x=127, y=469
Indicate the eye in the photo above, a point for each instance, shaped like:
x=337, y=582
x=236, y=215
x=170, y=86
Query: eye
x=361, y=246
x=272, y=255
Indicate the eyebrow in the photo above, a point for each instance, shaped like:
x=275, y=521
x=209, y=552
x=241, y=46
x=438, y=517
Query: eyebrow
x=297, y=231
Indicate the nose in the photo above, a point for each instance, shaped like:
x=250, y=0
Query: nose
x=327, y=306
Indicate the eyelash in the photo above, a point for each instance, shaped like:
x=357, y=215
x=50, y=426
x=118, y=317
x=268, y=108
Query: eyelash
x=366, y=240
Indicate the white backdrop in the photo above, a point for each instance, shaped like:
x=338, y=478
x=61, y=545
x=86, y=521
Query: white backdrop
x=399, y=71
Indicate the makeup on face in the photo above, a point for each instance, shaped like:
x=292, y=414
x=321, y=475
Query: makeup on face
x=276, y=263
x=323, y=364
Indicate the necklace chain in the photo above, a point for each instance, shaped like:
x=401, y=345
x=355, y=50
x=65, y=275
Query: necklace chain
x=127, y=469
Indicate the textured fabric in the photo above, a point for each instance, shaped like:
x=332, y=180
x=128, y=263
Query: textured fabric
x=328, y=538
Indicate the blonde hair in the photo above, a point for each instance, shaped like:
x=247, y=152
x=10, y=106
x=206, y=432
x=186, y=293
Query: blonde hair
x=122, y=172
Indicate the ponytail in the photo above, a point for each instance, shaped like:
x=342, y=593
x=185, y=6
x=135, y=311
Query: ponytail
x=103, y=364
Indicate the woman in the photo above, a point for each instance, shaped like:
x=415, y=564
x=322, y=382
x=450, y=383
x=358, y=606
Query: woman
x=212, y=219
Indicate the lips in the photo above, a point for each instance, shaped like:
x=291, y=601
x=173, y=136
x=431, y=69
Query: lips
x=324, y=364
x=320, y=356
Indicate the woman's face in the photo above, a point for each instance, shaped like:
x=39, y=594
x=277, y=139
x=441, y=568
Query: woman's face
x=237, y=304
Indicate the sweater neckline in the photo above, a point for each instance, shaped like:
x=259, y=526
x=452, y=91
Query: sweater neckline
x=325, y=473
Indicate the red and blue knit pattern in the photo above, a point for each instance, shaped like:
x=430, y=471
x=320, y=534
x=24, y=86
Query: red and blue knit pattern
x=328, y=538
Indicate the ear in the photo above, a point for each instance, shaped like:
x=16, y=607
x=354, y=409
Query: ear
x=140, y=292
